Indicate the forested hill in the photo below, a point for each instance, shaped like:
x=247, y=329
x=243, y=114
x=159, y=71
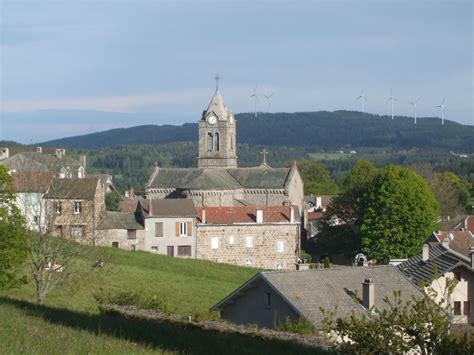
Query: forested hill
x=315, y=130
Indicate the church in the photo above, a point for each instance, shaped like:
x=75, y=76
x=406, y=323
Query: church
x=218, y=181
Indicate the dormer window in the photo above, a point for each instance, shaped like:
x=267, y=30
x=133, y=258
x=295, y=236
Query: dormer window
x=68, y=173
x=80, y=173
x=62, y=173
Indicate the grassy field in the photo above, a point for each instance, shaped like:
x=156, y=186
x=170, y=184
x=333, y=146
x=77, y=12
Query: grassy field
x=70, y=321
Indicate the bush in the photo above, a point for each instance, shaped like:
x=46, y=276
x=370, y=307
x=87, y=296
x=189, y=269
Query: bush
x=301, y=326
x=327, y=263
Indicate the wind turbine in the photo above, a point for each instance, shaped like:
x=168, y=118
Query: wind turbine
x=362, y=98
x=268, y=97
x=414, y=105
x=442, y=110
x=391, y=99
x=255, y=96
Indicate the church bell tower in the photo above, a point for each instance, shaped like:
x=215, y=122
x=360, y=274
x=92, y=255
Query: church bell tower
x=217, y=135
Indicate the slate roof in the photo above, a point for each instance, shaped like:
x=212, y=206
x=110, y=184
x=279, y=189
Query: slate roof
x=246, y=214
x=220, y=179
x=84, y=189
x=172, y=207
x=307, y=291
x=39, y=161
x=36, y=181
x=119, y=220
x=441, y=260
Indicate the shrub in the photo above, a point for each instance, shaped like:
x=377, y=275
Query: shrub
x=300, y=326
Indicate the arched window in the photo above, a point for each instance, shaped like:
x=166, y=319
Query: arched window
x=231, y=143
x=209, y=142
x=216, y=142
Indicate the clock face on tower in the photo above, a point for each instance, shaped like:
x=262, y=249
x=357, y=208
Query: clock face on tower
x=212, y=119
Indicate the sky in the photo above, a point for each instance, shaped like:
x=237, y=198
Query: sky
x=153, y=62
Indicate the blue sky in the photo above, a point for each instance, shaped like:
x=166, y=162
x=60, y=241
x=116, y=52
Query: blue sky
x=157, y=59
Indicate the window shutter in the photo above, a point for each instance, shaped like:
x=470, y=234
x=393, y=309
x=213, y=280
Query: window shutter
x=190, y=229
x=177, y=229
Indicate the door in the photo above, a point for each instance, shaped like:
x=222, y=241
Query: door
x=170, y=250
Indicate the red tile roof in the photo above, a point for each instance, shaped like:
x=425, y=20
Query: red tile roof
x=246, y=214
x=470, y=223
x=461, y=242
x=315, y=215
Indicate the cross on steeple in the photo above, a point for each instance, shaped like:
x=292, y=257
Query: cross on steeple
x=264, y=157
x=217, y=77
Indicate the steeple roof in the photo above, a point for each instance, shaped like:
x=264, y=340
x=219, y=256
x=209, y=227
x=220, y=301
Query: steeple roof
x=218, y=108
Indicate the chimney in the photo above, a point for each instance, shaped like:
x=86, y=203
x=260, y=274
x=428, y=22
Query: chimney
x=82, y=159
x=292, y=214
x=203, y=216
x=426, y=252
x=39, y=150
x=259, y=216
x=368, y=293
x=318, y=202
x=4, y=153
x=471, y=252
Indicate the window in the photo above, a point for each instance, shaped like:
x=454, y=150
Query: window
x=231, y=240
x=214, y=243
x=210, y=142
x=231, y=143
x=279, y=266
x=131, y=234
x=80, y=173
x=68, y=173
x=77, y=207
x=62, y=173
x=467, y=308
x=158, y=229
x=249, y=241
x=184, y=250
x=457, y=308
x=35, y=219
x=76, y=231
x=115, y=244
x=57, y=207
x=184, y=229
x=154, y=249
x=216, y=142
x=248, y=262
x=280, y=246
x=267, y=301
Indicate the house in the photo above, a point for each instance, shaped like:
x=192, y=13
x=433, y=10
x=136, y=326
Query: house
x=106, y=181
x=446, y=256
x=269, y=298
x=61, y=164
x=258, y=236
x=30, y=188
x=317, y=203
x=217, y=180
x=74, y=208
x=170, y=226
x=121, y=230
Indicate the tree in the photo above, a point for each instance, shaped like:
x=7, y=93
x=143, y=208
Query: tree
x=396, y=214
x=12, y=232
x=112, y=201
x=316, y=178
x=340, y=232
x=418, y=324
x=384, y=213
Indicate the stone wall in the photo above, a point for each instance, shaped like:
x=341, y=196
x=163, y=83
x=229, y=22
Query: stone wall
x=266, y=238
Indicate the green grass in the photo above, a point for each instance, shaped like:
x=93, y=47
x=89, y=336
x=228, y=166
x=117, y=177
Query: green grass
x=70, y=320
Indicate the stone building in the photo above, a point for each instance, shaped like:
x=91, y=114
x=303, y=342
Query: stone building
x=74, y=208
x=257, y=236
x=218, y=181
